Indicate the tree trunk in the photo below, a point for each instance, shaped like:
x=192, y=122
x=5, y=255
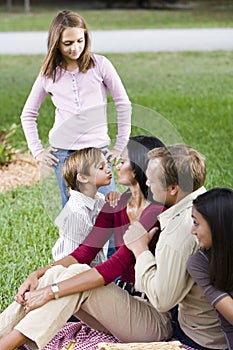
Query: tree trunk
x=9, y=5
x=26, y=5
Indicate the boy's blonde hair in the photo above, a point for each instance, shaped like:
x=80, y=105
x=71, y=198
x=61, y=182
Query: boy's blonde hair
x=180, y=165
x=80, y=162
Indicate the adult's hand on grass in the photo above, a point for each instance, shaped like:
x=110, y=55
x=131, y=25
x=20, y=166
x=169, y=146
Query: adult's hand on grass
x=30, y=284
x=47, y=158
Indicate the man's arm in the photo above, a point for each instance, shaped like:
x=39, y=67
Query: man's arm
x=162, y=277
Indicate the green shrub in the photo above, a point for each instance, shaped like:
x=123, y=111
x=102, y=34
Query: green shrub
x=7, y=150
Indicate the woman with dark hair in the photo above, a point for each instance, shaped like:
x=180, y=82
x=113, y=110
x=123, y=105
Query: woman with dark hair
x=136, y=147
x=212, y=266
x=50, y=295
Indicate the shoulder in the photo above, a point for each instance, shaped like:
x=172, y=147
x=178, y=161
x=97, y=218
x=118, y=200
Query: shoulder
x=122, y=204
x=153, y=210
x=102, y=62
x=149, y=217
x=99, y=58
x=41, y=79
x=71, y=217
x=107, y=210
x=100, y=198
x=198, y=262
x=99, y=195
x=177, y=222
x=76, y=202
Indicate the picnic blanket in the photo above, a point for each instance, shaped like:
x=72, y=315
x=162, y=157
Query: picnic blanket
x=158, y=345
x=78, y=336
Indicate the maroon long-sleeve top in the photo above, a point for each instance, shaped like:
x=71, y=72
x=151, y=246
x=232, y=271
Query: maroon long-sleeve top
x=115, y=221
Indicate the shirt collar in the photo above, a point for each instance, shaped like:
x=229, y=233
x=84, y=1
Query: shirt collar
x=85, y=200
x=176, y=209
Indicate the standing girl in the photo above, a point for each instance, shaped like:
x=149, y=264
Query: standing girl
x=212, y=266
x=77, y=82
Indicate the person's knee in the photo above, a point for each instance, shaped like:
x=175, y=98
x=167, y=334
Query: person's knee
x=59, y=273
x=54, y=270
x=77, y=268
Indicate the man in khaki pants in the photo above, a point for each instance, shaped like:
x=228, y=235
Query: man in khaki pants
x=175, y=176
x=109, y=308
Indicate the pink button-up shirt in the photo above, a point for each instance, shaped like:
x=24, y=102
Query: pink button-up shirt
x=81, y=110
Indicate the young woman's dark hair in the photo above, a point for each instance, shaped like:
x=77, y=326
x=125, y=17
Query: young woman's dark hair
x=138, y=147
x=216, y=207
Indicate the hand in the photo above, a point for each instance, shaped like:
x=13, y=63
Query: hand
x=113, y=198
x=37, y=298
x=47, y=158
x=137, y=239
x=113, y=156
x=29, y=284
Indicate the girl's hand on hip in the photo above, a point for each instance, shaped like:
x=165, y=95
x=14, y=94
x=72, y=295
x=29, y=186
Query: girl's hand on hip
x=113, y=156
x=47, y=158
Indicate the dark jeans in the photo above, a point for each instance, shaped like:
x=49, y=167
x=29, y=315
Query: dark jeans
x=180, y=335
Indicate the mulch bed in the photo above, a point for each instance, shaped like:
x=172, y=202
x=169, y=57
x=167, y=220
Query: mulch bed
x=23, y=170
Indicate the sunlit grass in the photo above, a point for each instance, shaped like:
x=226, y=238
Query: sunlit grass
x=40, y=18
x=192, y=92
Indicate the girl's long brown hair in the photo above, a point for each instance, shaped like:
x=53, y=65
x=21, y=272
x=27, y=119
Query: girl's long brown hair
x=65, y=19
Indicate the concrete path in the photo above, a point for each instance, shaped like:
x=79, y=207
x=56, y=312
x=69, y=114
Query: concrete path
x=123, y=41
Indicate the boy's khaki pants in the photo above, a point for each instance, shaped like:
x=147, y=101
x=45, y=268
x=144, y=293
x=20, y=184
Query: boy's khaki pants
x=106, y=308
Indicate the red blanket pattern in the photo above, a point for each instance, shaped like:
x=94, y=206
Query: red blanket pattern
x=85, y=338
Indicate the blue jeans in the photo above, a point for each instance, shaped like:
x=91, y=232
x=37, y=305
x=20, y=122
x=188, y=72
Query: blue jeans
x=62, y=155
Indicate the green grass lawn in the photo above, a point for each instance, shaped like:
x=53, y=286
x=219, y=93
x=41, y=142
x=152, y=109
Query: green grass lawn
x=40, y=18
x=184, y=97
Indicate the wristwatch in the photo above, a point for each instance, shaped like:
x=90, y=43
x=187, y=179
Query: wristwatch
x=55, y=290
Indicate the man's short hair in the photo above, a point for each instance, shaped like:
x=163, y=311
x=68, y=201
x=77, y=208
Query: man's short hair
x=181, y=165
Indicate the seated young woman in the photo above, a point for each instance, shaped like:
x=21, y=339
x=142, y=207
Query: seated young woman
x=212, y=266
x=50, y=295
